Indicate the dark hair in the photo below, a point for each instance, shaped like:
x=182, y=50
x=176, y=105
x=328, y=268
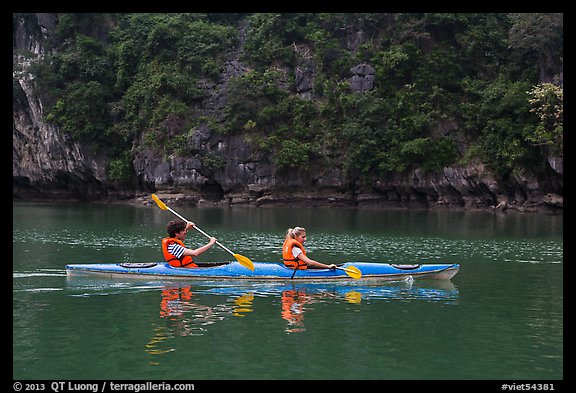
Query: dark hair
x=174, y=227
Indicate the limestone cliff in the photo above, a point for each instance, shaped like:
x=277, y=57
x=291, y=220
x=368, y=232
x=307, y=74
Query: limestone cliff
x=49, y=165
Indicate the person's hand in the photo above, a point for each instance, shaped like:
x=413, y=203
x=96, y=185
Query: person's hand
x=189, y=224
x=332, y=266
x=212, y=240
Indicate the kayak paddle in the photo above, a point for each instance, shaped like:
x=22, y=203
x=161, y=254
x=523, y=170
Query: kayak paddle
x=246, y=262
x=352, y=271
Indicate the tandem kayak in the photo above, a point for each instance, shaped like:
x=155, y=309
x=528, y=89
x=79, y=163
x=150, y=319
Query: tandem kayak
x=264, y=271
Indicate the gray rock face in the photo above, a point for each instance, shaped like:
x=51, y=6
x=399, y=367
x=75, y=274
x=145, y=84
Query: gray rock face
x=47, y=164
x=363, y=77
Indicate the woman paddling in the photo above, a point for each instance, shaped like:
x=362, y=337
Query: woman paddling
x=173, y=248
x=294, y=253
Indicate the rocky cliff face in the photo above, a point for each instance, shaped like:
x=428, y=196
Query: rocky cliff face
x=47, y=164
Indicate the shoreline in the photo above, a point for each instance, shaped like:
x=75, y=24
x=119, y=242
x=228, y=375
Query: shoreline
x=188, y=201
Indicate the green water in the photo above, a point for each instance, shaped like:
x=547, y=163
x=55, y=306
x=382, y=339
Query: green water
x=499, y=318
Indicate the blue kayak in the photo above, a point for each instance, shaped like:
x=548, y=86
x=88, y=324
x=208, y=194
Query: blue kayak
x=265, y=271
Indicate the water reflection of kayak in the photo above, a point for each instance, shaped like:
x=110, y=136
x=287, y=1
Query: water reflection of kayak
x=266, y=271
x=353, y=291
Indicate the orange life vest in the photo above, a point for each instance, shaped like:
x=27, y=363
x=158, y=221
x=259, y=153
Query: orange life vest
x=288, y=257
x=183, y=261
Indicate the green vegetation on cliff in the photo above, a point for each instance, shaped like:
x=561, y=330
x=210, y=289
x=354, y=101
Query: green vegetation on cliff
x=448, y=88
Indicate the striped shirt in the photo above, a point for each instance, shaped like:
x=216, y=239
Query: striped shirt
x=176, y=249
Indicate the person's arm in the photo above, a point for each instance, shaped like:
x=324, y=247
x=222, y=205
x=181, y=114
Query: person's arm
x=313, y=263
x=200, y=250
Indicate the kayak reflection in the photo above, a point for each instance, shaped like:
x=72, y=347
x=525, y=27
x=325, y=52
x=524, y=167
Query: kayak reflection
x=298, y=298
x=190, y=308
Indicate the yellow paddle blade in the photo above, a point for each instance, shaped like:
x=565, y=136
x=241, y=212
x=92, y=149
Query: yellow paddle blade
x=244, y=261
x=160, y=204
x=352, y=271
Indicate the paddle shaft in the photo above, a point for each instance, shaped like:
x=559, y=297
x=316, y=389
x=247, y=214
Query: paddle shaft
x=201, y=231
x=294, y=272
x=350, y=272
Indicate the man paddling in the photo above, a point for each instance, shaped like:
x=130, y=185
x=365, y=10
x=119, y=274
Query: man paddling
x=173, y=248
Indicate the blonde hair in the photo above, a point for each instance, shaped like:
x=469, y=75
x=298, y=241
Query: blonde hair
x=293, y=232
